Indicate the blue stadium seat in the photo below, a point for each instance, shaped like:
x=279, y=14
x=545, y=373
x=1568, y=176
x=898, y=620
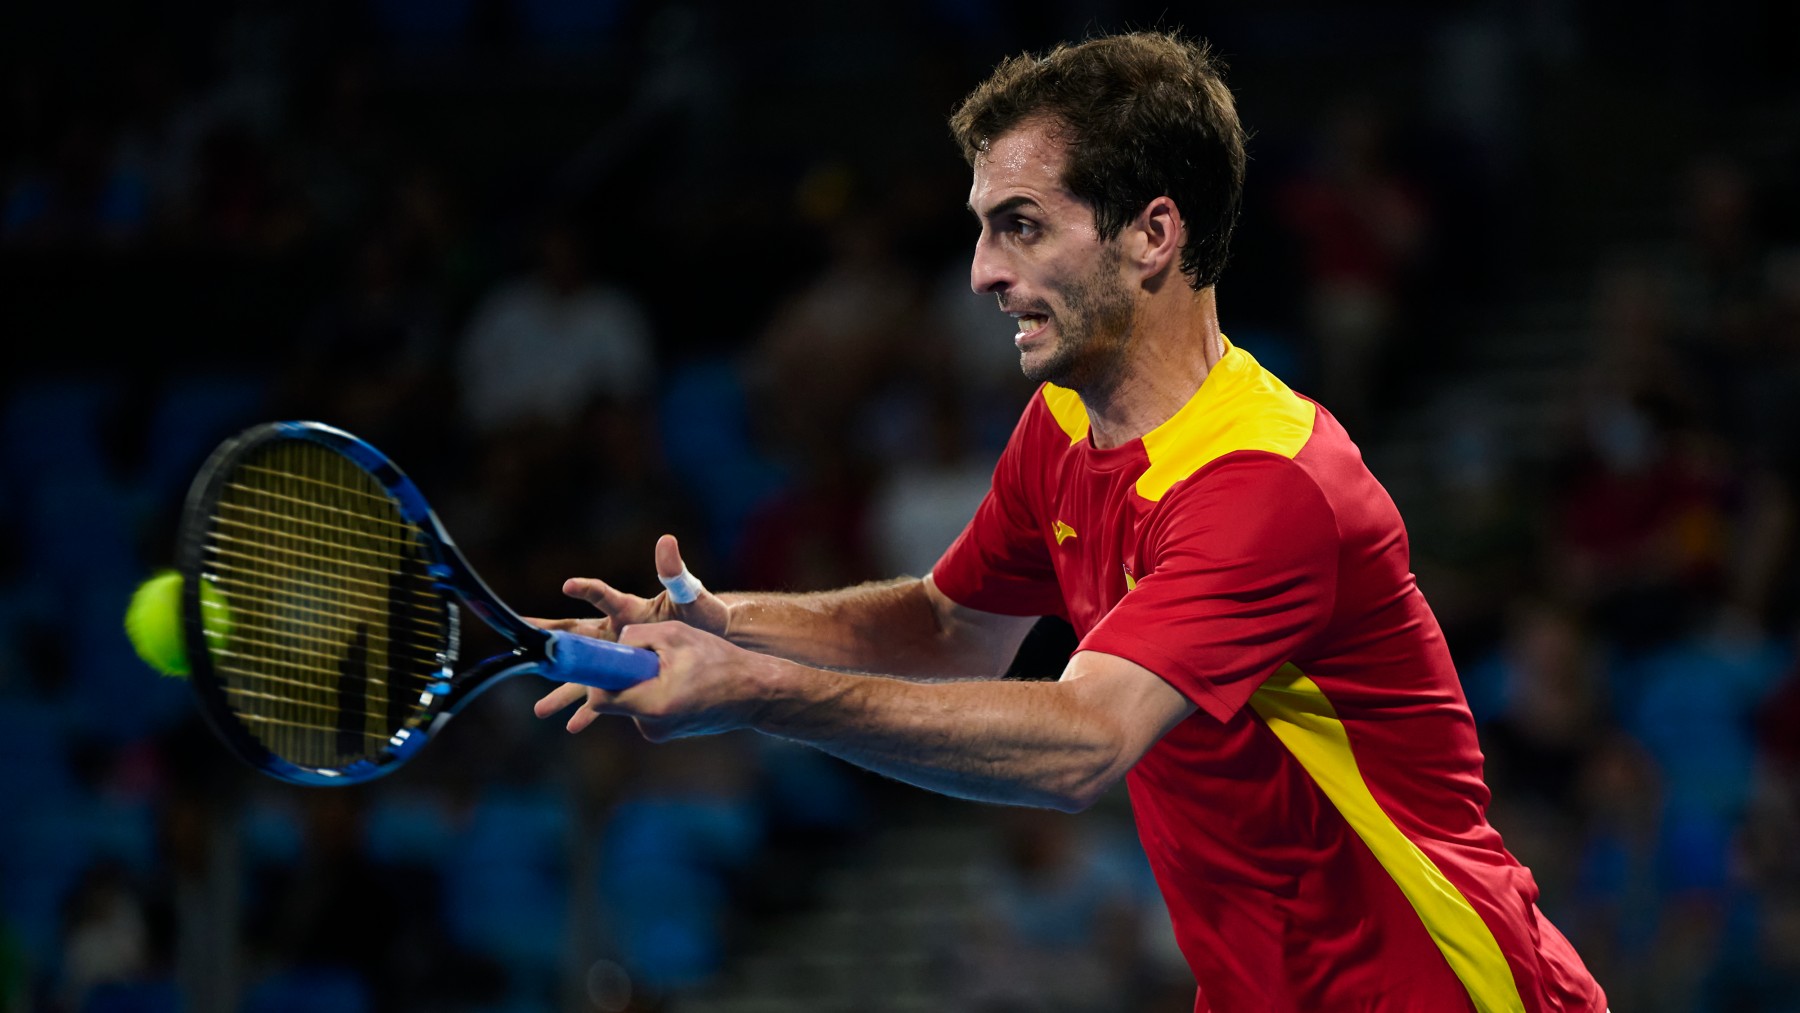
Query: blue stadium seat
x=409, y=829
x=506, y=880
x=664, y=865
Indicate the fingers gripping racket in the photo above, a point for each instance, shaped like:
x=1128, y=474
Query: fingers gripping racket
x=338, y=654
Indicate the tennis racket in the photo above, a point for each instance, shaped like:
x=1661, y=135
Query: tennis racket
x=336, y=657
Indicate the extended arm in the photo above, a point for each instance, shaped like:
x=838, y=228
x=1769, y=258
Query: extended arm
x=1058, y=745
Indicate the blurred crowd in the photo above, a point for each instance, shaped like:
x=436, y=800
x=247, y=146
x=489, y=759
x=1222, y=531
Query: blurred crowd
x=593, y=271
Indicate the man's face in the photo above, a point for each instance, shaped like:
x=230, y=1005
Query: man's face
x=1042, y=258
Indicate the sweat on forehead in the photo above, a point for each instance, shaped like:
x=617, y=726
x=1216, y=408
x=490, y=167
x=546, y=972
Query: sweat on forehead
x=1043, y=129
x=1033, y=149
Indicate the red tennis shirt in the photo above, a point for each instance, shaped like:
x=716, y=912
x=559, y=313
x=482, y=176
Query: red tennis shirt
x=1318, y=826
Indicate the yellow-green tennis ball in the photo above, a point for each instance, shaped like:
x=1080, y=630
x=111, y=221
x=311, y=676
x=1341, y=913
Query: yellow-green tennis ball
x=153, y=622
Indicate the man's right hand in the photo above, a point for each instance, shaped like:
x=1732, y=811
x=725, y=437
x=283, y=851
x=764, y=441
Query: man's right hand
x=619, y=610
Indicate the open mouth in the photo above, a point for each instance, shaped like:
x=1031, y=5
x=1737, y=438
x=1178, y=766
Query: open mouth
x=1029, y=326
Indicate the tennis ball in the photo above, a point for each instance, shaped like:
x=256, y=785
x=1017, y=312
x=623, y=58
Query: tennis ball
x=153, y=621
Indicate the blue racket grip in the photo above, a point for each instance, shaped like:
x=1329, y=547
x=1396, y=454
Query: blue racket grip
x=570, y=657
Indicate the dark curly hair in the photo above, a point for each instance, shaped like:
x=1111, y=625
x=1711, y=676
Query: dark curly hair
x=1144, y=115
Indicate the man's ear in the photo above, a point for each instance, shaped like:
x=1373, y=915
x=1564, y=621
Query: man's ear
x=1158, y=231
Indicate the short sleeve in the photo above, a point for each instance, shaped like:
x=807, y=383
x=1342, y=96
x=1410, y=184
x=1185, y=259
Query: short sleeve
x=1001, y=563
x=1240, y=572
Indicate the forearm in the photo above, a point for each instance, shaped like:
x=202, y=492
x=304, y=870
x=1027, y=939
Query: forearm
x=1022, y=743
x=889, y=628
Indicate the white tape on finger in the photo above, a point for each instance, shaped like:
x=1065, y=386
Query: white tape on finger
x=683, y=587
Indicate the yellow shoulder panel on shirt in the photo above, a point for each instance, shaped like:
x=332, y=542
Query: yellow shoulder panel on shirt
x=1066, y=407
x=1240, y=406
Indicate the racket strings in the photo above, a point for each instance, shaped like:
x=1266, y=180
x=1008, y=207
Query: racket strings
x=377, y=499
x=319, y=630
x=337, y=626
x=281, y=505
x=356, y=591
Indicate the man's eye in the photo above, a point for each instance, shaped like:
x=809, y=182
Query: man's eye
x=1024, y=228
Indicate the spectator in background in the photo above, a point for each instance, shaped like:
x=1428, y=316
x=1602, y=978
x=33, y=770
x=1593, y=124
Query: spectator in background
x=1060, y=919
x=106, y=935
x=1664, y=804
x=838, y=341
x=945, y=426
x=1476, y=547
x=1541, y=698
x=840, y=334
x=1691, y=703
x=1641, y=502
x=543, y=347
x=1362, y=228
x=1620, y=896
x=922, y=501
x=1548, y=693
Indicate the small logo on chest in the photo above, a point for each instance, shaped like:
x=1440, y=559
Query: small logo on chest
x=1130, y=581
x=1062, y=532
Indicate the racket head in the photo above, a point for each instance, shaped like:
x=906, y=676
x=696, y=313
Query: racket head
x=338, y=659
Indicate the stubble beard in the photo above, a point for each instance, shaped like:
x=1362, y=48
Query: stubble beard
x=1094, y=333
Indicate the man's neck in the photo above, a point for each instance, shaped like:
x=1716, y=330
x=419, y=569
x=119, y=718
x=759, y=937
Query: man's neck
x=1175, y=348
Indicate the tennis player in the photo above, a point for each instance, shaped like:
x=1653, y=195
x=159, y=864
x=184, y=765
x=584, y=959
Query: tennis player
x=1255, y=659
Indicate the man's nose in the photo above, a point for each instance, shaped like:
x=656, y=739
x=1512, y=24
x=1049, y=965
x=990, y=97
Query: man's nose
x=988, y=271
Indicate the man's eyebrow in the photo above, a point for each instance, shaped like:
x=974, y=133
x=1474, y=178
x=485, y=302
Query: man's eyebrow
x=1009, y=204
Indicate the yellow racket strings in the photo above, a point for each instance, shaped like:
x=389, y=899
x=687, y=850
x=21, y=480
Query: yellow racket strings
x=335, y=626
